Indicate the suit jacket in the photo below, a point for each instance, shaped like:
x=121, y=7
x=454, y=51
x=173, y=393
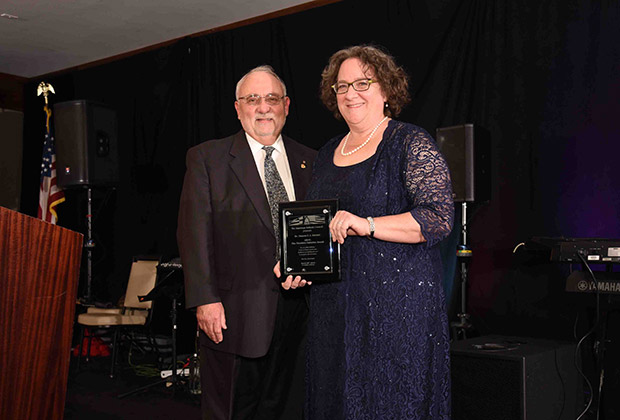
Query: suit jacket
x=226, y=238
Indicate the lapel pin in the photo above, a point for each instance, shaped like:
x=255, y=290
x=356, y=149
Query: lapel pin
x=303, y=164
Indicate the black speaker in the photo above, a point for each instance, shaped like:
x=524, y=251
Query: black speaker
x=86, y=144
x=509, y=378
x=11, y=131
x=467, y=151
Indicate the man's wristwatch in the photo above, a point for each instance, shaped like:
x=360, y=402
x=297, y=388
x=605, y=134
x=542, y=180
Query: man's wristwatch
x=371, y=224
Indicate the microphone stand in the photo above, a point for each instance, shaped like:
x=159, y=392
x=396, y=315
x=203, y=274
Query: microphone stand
x=162, y=288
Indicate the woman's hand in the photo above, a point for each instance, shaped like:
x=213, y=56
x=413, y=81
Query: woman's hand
x=347, y=224
x=290, y=282
x=401, y=228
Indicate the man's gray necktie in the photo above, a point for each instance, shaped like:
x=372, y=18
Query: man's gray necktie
x=275, y=189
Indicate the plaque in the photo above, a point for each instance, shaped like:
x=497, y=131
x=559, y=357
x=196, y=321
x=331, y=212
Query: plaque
x=307, y=248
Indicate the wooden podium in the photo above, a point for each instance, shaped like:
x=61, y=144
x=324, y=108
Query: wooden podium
x=39, y=271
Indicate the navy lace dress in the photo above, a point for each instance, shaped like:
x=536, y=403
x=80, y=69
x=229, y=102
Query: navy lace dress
x=378, y=344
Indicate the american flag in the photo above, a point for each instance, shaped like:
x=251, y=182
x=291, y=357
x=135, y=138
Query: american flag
x=50, y=195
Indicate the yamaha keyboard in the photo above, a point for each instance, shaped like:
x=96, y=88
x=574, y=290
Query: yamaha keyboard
x=582, y=282
x=572, y=250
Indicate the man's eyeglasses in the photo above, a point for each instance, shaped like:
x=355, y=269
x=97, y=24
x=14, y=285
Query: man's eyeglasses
x=254, y=99
x=360, y=85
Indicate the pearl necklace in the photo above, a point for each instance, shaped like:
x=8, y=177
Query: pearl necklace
x=344, y=143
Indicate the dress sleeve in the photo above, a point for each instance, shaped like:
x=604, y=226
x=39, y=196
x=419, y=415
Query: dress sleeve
x=429, y=189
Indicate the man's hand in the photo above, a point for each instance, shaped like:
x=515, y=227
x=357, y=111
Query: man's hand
x=290, y=282
x=211, y=319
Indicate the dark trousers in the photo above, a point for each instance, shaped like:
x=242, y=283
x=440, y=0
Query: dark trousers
x=265, y=388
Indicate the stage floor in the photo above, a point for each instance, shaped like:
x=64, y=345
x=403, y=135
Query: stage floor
x=93, y=395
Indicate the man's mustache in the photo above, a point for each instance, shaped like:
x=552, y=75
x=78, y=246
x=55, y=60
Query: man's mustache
x=268, y=115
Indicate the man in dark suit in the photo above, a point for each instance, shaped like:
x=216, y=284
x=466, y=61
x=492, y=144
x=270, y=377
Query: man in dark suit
x=252, y=331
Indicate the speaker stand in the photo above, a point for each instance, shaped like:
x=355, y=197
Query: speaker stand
x=89, y=246
x=464, y=254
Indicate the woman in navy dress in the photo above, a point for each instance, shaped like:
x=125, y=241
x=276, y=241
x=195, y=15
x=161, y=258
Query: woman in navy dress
x=378, y=342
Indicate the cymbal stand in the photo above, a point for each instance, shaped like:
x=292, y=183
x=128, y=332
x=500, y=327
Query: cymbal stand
x=194, y=366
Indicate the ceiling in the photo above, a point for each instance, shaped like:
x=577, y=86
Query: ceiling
x=38, y=37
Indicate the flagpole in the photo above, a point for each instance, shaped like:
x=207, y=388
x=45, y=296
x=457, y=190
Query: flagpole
x=50, y=194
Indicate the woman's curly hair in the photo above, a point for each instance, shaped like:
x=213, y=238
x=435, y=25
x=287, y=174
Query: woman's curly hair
x=393, y=79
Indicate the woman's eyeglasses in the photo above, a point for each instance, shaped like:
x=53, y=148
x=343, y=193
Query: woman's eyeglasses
x=360, y=85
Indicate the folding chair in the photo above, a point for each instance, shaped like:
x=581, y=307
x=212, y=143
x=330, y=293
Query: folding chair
x=133, y=313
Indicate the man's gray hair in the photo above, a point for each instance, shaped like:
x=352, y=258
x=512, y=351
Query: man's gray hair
x=264, y=68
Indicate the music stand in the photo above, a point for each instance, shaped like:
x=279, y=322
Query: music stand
x=171, y=286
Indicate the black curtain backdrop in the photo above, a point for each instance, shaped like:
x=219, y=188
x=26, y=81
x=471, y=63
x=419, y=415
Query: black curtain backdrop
x=541, y=77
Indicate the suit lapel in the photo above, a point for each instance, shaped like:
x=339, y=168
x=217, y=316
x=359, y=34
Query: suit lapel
x=244, y=167
x=300, y=168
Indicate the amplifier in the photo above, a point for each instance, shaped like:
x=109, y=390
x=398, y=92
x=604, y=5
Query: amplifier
x=514, y=378
x=170, y=266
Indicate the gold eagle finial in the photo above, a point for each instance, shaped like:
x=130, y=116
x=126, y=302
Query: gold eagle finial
x=45, y=89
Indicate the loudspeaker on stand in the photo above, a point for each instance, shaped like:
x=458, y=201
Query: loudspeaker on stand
x=467, y=152
x=86, y=144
